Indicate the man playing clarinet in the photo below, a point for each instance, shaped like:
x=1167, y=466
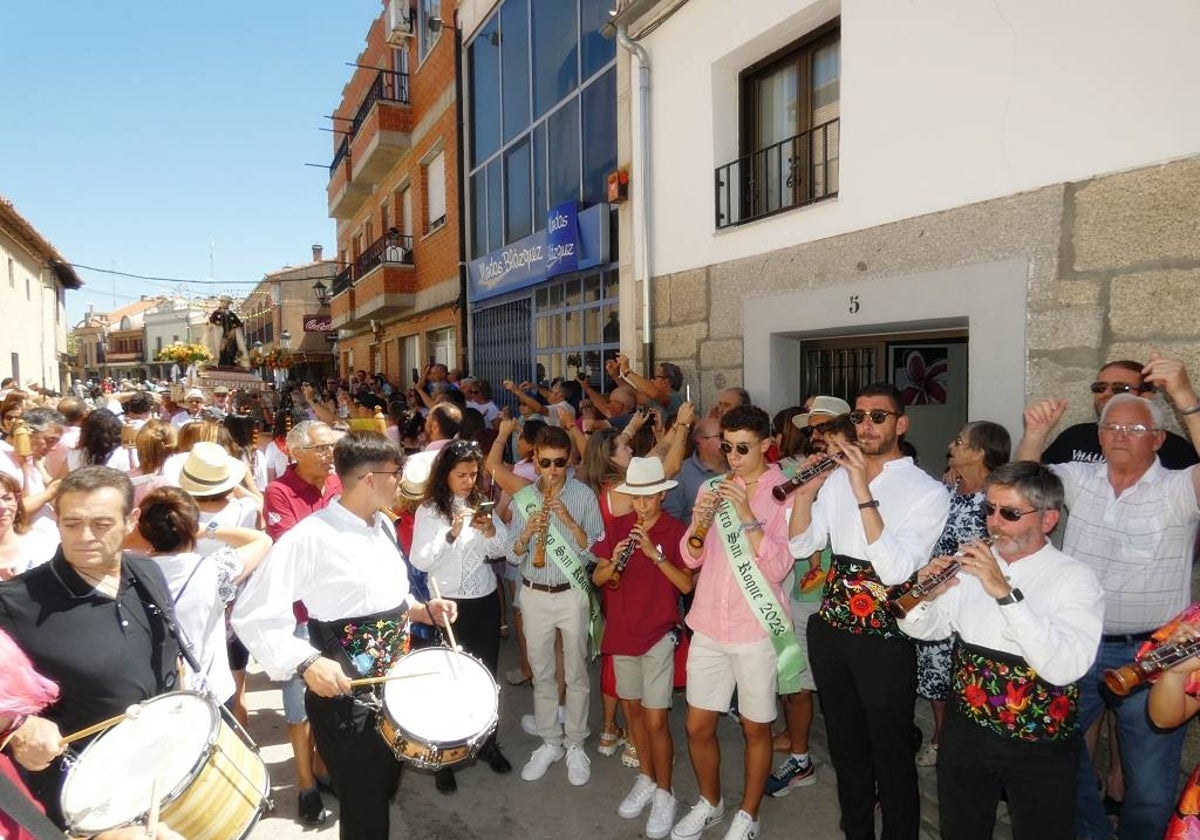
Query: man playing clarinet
x=1028, y=619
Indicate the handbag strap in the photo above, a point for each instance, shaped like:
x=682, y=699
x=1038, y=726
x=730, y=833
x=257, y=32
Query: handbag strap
x=21, y=809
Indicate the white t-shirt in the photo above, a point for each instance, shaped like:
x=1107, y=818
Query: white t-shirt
x=276, y=461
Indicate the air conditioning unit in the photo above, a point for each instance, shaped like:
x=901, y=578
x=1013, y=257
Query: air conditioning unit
x=400, y=22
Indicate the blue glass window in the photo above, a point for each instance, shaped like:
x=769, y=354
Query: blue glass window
x=518, y=191
x=555, y=52
x=563, y=128
x=514, y=57
x=597, y=50
x=600, y=135
x=484, y=59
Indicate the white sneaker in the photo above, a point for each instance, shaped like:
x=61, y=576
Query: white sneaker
x=529, y=722
x=662, y=815
x=638, y=798
x=742, y=827
x=540, y=761
x=579, y=766
x=701, y=816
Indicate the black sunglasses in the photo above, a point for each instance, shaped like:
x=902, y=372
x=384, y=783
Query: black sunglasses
x=1010, y=514
x=878, y=416
x=742, y=448
x=545, y=463
x=1115, y=387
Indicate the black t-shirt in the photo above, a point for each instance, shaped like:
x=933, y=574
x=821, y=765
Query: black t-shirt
x=105, y=654
x=1081, y=442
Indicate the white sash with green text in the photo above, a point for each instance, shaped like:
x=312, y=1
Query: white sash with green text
x=562, y=551
x=790, y=660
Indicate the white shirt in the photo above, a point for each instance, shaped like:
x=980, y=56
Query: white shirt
x=1056, y=628
x=460, y=568
x=35, y=548
x=277, y=461
x=239, y=512
x=182, y=418
x=1139, y=545
x=201, y=608
x=29, y=476
x=121, y=458
x=913, y=506
x=489, y=410
x=428, y=454
x=334, y=562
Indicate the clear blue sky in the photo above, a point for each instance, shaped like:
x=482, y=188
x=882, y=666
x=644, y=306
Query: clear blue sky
x=136, y=133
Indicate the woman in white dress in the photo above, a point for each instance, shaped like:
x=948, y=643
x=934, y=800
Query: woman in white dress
x=20, y=548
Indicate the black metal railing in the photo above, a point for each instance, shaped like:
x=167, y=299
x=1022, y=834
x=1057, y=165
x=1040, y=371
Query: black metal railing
x=343, y=281
x=343, y=150
x=784, y=175
x=389, y=249
x=388, y=85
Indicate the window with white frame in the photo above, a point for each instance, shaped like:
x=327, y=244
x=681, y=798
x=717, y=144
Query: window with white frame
x=435, y=192
x=429, y=26
x=441, y=346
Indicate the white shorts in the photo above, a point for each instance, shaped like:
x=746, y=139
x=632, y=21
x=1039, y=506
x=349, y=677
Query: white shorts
x=649, y=677
x=715, y=668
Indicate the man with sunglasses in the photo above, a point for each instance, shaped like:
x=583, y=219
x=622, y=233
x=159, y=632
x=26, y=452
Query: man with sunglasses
x=1133, y=523
x=1025, y=610
x=344, y=563
x=706, y=460
x=744, y=559
x=881, y=515
x=1081, y=442
x=555, y=598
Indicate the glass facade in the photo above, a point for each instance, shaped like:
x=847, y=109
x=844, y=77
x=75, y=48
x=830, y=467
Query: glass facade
x=543, y=115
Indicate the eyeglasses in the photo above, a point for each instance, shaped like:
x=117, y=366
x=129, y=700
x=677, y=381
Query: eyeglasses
x=394, y=473
x=742, y=448
x=1099, y=387
x=319, y=448
x=1007, y=513
x=546, y=463
x=463, y=446
x=878, y=416
x=1134, y=430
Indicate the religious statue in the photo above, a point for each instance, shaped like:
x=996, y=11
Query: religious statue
x=225, y=336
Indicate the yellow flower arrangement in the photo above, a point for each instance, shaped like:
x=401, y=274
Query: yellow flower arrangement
x=183, y=353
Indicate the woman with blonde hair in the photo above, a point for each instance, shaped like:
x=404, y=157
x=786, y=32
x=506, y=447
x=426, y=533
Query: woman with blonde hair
x=155, y=443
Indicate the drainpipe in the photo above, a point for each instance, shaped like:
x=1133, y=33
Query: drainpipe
x=463, y=314
x=641, y=166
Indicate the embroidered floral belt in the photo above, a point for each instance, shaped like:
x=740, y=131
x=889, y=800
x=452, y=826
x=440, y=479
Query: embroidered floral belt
x=853, y=598
x=1000, y=692
x=368, y=645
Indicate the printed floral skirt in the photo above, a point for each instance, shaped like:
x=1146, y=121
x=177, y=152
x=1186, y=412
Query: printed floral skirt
x=1185, y=822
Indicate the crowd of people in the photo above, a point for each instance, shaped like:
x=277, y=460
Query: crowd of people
x=800, y=562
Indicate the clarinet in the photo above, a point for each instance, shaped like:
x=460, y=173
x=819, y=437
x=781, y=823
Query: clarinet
x=782, y=491
x=696, y=540
x=623, y=560
x=1121, y=681
x=902, y=606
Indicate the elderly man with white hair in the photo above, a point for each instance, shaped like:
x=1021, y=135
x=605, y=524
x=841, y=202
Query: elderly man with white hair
x=1134, y=524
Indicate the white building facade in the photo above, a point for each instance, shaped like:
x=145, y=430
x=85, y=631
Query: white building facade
x=979, y=202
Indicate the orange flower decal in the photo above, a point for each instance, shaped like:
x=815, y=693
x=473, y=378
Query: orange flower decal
x=862, y=605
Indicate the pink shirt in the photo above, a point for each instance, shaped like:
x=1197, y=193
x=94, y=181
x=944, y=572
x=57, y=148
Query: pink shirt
x=719, y=609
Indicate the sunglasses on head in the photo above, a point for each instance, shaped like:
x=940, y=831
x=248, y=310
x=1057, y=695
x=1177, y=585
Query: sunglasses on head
x=1007, y=513
x=546, y=463
x=1115, y=387
x=878, y=416
x=742, y=448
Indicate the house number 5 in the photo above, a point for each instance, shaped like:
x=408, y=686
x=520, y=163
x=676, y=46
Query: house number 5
x=854, y=305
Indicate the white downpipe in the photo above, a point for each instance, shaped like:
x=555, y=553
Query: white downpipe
x=641, y=167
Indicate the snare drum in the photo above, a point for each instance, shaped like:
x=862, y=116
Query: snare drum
x=441, y=711
x=213, y=785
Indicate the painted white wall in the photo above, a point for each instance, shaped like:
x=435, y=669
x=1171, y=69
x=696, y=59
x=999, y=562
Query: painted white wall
x=988, y=299
x=36, y=327
x=943, y=103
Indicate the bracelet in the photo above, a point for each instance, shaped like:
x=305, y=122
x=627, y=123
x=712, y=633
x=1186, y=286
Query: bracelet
x=756, y=525
x=874, y=503
x=1195, y=409
x=306, y=664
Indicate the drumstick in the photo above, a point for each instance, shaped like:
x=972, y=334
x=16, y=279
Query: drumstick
x=389, y=678
x=93, y=729
x=152, y=817
x=437, y=592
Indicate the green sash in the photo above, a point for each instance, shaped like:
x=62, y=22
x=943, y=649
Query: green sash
x=789, y=659
x=562, y=551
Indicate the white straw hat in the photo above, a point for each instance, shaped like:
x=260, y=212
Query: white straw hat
x=645, y=477
x=209, y=470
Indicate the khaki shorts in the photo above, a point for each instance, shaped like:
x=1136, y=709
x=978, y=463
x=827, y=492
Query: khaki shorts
x=649, y=677
x=801, y=610
x=715, y=668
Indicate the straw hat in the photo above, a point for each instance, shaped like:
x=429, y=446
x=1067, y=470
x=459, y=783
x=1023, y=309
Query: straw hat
x=822, y=407
x=209, y=470
x=415, y=478
x=645, y=477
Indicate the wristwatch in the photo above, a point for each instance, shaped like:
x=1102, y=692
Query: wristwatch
x=1011, y=598
x=211, y=528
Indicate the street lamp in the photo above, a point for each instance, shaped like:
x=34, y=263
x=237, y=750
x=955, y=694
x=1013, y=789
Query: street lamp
x=322, y=292
x=285, y=338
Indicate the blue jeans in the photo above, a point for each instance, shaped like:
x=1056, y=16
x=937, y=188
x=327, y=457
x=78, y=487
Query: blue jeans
x=1150, y=757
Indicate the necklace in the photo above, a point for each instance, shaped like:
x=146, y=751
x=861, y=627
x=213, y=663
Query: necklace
x=104, y=584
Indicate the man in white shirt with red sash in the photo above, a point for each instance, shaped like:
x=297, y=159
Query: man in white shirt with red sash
x=1028, y=619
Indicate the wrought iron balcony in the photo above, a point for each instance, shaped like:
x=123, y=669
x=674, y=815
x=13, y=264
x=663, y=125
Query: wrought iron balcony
x=791, y=173
x=342, y=281
x=389, y=249
x=343, y=150
x=388, y=86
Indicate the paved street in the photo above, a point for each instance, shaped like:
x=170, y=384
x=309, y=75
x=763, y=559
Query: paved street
x=491, y=807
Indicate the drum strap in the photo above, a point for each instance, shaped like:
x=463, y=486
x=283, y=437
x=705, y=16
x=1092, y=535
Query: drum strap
x=26, y=814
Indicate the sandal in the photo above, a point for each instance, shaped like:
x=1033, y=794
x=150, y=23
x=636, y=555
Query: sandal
x=629, y=756
x=610, y=739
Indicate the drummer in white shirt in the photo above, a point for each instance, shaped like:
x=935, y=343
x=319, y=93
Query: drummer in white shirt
x=1028, y=619
x=344, y=564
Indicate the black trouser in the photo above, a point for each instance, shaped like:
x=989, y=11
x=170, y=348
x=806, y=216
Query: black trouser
x=867, y=688
x=477, y=631
x=976, y=765
x=365, y=771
